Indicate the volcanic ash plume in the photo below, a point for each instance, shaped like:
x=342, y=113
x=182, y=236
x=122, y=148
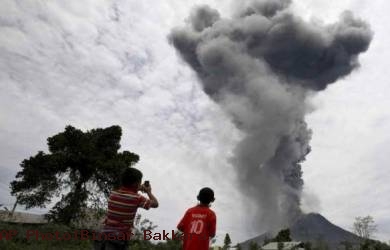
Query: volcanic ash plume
x=260, y=67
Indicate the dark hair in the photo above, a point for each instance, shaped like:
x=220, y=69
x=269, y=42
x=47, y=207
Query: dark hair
x=130, y=177
x=206, y=195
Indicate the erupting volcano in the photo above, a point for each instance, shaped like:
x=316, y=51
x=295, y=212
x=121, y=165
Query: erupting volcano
x=261, y=67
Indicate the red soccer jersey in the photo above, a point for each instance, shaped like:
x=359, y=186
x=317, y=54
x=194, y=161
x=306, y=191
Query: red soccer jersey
x=198, y=225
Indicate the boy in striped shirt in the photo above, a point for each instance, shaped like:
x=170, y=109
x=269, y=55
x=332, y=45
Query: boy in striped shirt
x=122, y=207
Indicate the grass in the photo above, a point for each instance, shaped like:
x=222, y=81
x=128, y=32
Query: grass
x=21, y=241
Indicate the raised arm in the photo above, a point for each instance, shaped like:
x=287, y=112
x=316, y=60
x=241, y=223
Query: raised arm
x=152, y=198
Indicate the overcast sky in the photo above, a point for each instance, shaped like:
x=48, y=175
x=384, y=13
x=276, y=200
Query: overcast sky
x=99, y=63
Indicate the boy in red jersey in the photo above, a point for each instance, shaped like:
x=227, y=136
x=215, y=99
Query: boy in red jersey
x=122, y=207
x=199, y=222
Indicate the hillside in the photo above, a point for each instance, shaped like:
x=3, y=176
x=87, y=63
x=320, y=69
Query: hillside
x=22, y=217
x=311, y=227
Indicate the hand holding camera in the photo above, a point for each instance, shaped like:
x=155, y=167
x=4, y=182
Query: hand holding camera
x=146, y=188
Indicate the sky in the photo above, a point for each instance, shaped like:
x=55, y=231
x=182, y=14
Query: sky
x=99, y=63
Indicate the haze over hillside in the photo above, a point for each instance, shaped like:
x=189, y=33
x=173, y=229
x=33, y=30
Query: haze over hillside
x=311, y=227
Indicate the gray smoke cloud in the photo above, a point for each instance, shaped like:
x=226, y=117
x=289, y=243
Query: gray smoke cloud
x=260, y=67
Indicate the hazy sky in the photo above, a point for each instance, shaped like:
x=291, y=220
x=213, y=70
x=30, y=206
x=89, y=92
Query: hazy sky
x=99, y=63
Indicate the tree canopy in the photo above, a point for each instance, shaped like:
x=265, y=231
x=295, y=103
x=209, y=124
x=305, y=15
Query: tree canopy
x=227, y=242
x=282, y=236
x=81, y=168
x=253, y=246
x=364, y=226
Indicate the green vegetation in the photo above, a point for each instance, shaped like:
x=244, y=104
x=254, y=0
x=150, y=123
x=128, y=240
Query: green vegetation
x=227, y=242
x=86, y=164
x=282, y=236
x=254, y=246
x=364, y=227
x=20, y=241
x=373, y=244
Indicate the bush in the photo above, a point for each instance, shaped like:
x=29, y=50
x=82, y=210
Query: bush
x=20, y=241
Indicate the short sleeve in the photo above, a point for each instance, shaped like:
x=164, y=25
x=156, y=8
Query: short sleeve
x=182, y=224
x=143, y=202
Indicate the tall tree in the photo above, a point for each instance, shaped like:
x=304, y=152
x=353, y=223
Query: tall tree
x=364, y=226
x=81, y=168
x=282, y=236
x=253, y=246
x=308, y=245
x=227, y=242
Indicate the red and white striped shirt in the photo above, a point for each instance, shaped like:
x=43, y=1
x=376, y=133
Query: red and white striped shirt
x=122, y=207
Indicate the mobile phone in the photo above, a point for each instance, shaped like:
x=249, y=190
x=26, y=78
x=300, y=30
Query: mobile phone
x=146, y=184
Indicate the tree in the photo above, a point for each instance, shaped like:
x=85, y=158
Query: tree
x=307, y=245
x=347, y=245
x=81, y=168
x=253, y=246
x=282, y=236
x=266, y=240
x=140, y=226
x=369, y=244
x=364, y=226
x=320, y=244
x=138, y=242
x=227, y=242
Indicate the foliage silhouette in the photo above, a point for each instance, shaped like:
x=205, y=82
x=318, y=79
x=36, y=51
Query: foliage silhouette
x=81, y=168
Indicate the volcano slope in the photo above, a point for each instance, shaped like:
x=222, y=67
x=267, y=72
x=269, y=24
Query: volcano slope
x=312, y=228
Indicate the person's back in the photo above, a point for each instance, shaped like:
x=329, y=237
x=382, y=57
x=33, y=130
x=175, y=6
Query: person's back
x=199, y=223
x=123, y=204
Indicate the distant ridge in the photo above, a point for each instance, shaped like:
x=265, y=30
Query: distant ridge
x=22, y=218
x=312, y=227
